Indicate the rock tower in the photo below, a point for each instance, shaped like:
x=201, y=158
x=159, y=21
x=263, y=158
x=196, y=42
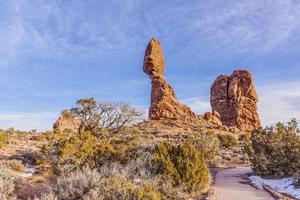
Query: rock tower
x=164, y=104
x=235, y=99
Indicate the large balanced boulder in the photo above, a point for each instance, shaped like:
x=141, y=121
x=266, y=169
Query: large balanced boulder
x=164, y=104
x=235, y=99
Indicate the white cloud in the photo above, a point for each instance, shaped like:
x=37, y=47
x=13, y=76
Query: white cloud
x=279, y=102
x=250, y=25
x=28, y=121
x=57, y=28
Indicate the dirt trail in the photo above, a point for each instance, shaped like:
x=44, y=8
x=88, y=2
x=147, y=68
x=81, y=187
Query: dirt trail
x=230, y=185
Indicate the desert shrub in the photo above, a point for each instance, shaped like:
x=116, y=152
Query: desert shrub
x=139, y=172
x=121, y=188
x=127, y=172
x=227, y=141
x=182, y=165
x=3, y=140
x=7, y=184
x=99, y=118
x=69, y=152
x=243, y=137
x=118, y=148
x=141, y=167
x=15, y=165
x=275, y=151
x=79, y=184
x=90, y=184
x=148, y=192
x=28, y=157
x=208, y=144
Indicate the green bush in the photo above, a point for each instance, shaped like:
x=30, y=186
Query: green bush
x=148, y=192
x=120, y=188
x=208, y=144
x=275, y=151
x=3, y=140
x=243, y=137
x=117, y=149
x=69, y=152
x=65, y=153
x=227, y=141
x=181, y=165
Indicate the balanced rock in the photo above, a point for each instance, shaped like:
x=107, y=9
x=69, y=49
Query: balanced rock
x=67, y=123
x=235, y=99
x=164, y=104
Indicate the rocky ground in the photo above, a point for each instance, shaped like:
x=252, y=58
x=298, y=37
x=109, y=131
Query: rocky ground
x=24, y=147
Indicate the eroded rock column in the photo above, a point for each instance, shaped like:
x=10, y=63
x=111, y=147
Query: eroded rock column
x=235, y=99
x=164, y=104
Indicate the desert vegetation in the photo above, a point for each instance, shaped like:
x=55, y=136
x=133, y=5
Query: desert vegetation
x=275, y=151
x=106, y=157
x=2, y=140
x=103, y=155
x=130, y=170
x=99, y=118
x=182, y=165
x=227, y=141
x=118, y=162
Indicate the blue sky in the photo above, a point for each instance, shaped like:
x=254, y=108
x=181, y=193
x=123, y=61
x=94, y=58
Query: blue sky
x=54, y=52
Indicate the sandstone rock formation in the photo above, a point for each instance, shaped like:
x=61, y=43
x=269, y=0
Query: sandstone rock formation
x=235, y=99
x=67, y=123
x=213, y=118
x=164, y=104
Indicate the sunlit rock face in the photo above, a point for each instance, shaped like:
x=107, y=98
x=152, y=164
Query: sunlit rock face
x=235, y=99
x=164, y=104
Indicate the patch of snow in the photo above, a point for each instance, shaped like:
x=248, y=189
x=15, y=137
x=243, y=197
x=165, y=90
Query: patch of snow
x=256, y=181
x=29, y=172
x=284, y=185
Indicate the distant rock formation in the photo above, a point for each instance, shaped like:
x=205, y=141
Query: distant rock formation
x=235, y=99
x=67, y=123
x=164, y=104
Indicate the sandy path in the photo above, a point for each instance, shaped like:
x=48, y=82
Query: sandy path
x=230, y=185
